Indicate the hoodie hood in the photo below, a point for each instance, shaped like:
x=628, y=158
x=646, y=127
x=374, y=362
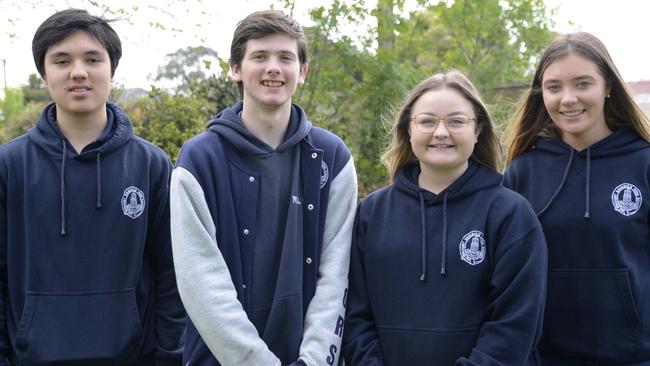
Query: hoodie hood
x=476, y=178
x=621, y=142
x=49, y=137
x=229, y=125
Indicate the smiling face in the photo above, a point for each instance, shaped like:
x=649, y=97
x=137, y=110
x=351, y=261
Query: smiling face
x=574, y=94
x=442, y=151
x=270, y=71
x=78, y=77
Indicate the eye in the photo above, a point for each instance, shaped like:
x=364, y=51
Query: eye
x=94, y=60
x=583, y=84
x=60, y=61
x=457, y=121
x=553, y=88
x=287, y=58
x=426, y=121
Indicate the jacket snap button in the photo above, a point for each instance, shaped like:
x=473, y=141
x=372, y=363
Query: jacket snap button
x=310, y=207
x=308, y=260
x=314, y=155
x=251, y=179
x=246, y=231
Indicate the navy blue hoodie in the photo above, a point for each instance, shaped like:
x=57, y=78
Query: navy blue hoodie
x=86, y=268
x=454, y=278
x=593, y=206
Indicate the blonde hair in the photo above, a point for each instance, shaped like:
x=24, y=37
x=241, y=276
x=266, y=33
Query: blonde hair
x=399, y=153
x=531, y=120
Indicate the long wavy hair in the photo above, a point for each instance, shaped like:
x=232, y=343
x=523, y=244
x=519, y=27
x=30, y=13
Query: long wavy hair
x=531, y=120
x=399, y=153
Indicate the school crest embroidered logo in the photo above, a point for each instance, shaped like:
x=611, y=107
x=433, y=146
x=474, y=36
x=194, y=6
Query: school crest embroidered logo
x=626, y=199
x=133, y=202
x=324, y=174
x=472, y=247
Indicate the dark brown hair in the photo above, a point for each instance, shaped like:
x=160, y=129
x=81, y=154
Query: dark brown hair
x=532, y=121
x=63, y=23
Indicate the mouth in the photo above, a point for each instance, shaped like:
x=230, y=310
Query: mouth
x=441, y=146
x=78, y=89
x=571, y=114
x=272, y=83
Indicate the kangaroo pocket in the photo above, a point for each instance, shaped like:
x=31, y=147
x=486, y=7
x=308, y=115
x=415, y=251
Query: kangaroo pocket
x=590, y=313
x=80, y=328
x=403, y=346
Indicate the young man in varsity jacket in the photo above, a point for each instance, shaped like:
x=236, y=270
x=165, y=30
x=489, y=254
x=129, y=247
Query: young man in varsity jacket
x=262, y=212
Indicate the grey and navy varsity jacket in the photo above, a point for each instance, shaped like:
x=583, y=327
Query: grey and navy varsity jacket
x=215, y=197
x=86, y=269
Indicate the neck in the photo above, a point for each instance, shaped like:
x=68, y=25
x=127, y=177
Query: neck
x=581, y=142
x=267, y=124
x=81, y=129
x=436, y=180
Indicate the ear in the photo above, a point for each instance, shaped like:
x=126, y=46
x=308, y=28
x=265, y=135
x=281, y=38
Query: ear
x=235, y=72
x=608, y=87
x=478, y=131
x=303, y=73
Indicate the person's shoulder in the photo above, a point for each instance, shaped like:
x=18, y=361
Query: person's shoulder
x=15, y=148
x=13, y=144
x=152, y=150
x=378, y=197
x=322, y=138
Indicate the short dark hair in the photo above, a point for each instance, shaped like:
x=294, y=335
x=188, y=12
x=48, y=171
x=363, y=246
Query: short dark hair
x=261, y=24
x=63, y=23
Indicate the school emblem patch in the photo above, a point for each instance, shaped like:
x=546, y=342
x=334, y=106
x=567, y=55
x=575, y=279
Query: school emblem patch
x=324, y=174
x=626, y=199
x=472, y=247
x=132, y=202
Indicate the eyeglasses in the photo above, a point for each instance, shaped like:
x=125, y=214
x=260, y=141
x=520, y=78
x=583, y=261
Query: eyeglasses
x=427, y=123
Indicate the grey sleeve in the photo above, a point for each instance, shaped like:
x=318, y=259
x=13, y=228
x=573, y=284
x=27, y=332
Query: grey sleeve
x=204, y=282
x=324, y=320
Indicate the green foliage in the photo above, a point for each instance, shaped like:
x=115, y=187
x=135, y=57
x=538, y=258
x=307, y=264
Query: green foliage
x=353, y=89
x=22, y=121
x=169, y=120
x=11, y=104
x=35, y=91
x=188, y=66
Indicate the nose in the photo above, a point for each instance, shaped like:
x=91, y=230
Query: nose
x=568, y=96
x=78, y=70
x=441, y=130
x=273, y=65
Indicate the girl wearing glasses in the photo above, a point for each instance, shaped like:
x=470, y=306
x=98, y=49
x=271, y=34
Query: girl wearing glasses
x=447, y=266
x=580, y=154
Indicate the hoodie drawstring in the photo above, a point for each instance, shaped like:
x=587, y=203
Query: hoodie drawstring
x=63, y=187
x=443, y=262
x=99, y=182
x=587, y=183
x=423, y=277
x=557, y=191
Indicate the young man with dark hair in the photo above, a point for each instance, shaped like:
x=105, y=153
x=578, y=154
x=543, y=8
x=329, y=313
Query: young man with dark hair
x=86, y=269
x=262, y=213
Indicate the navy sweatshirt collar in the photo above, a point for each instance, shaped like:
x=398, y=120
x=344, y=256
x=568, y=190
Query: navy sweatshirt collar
x=622, y=141
x=49, y=137
x=476, y=178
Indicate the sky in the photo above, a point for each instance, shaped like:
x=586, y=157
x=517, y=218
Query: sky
x=621, y=25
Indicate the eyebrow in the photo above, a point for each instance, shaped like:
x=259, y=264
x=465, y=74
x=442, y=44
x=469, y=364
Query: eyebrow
x=456, y=113
x=581, y=77
x=88, y=53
